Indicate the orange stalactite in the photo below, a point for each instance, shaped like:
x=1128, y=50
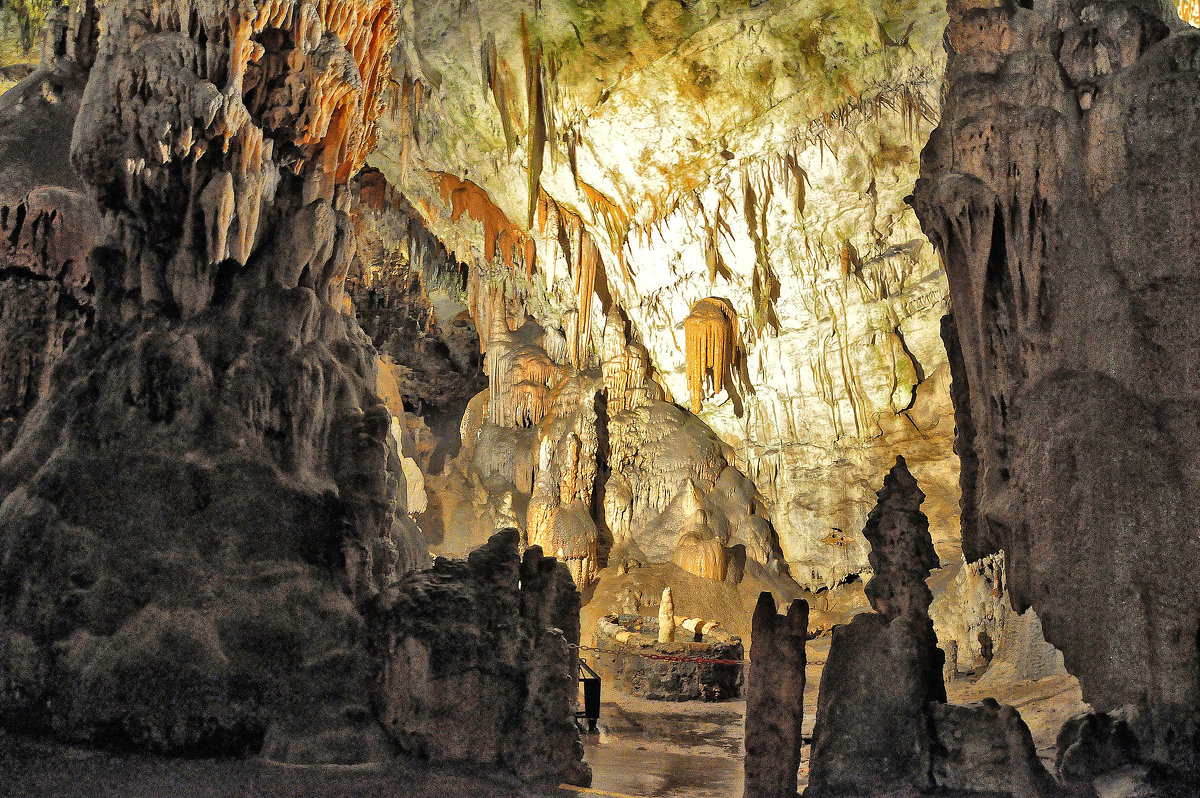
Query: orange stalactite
x=1189, y=12
x=584, y=259
x=616, y=220
x=500, y=235
x=585, y=289
x=710, y=331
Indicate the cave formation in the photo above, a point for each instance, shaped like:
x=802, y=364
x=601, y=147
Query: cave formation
x=366, y=365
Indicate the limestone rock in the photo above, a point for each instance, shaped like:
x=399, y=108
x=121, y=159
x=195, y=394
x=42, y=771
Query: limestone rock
x=775, y=699
x=883, y=669
x=1055, y=183
x=987, y=748
x=479, y=665
x=872, y=732
x=902, y=554
x=666, y=618
x=48, y=224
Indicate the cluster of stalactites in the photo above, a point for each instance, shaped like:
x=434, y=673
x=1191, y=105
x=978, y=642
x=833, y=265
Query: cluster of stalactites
x=710, y=331
x=565, y=229
x=198, y=104
x=1189, y=12
x=500, y=236
x=521, y=377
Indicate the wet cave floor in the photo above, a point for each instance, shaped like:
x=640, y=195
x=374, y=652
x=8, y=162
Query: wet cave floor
x=644, y=749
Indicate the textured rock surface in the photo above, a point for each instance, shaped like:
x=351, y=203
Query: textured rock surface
x=987, y=748
x=595, y=466
x=883, y=670
x=48, y=223
x=478, y=664
x=1060, y=178
x=775, y=699
x=883, y=726
x=194, y=514
x=407, y=292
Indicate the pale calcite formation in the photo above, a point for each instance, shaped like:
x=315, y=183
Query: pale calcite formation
x=608, y=472
x=666, y=617
x=586, y=157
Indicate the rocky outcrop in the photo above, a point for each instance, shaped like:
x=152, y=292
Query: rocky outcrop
x=987, y=748
x=208, y=494
x=481, y=663
x=775, y=699
x=1061, y=179
x=48, y=223
x=883, y=725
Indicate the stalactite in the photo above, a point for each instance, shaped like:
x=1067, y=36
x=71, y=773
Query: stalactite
x=535, y=93
x=566, y=228
x=494, y=80
x=500, y=236
x=616, y=222
x=710, y=331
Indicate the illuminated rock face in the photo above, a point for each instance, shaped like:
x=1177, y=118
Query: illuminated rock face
x=1062, y=178
x=209, y=492
x=606, y=471
x=605, y=155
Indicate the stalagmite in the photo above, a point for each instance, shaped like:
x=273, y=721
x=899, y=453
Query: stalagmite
x=883, y=668
x=711, y=334
x=666, y=617
x=775, y=699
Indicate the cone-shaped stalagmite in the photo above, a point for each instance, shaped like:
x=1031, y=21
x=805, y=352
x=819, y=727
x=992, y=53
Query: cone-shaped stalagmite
x=883, y=668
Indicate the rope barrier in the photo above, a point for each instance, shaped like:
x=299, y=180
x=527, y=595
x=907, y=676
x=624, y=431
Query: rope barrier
x=666, y=657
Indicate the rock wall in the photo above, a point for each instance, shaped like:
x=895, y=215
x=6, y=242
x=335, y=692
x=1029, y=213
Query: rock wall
x=1059, y=190
x=481, y=664
x=207, y=494
x=48, y=223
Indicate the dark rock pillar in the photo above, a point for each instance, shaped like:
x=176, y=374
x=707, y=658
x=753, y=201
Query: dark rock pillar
x=775, y=698
x=1061, y=190
x=884, y=668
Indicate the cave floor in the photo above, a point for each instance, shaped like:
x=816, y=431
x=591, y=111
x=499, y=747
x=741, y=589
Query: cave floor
x=645, y=749
x=660, y=749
